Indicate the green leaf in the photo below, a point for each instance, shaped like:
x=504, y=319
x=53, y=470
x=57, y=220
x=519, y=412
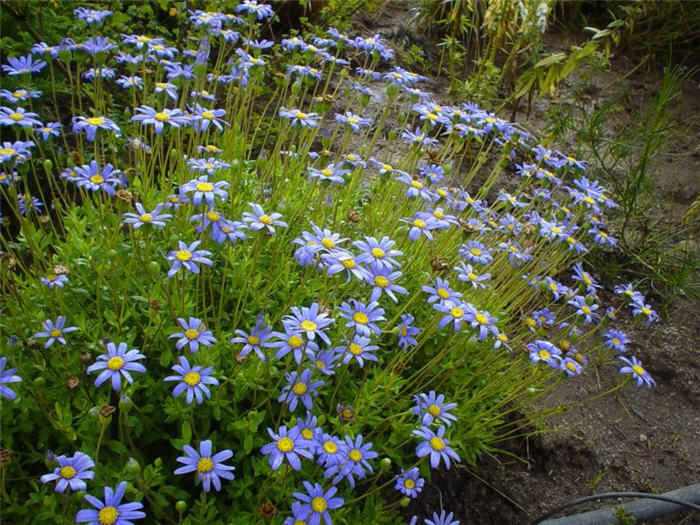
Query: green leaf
x=186, y=431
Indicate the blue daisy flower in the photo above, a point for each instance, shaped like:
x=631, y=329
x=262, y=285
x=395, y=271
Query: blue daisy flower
x=209, y=468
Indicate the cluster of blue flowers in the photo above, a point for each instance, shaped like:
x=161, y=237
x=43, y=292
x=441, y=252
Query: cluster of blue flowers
x=314, y=344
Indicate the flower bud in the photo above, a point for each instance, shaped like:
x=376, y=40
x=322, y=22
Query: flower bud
x=296, y=87
x=385, y=463
x=132, y=467
x=48, y=165
x=181, y=506
x=405, y=502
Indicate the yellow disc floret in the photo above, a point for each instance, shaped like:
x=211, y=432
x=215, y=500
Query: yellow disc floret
x=67, y=472
x=115, y=363
x=436, y=443
x=107, y=515
x=285, y=444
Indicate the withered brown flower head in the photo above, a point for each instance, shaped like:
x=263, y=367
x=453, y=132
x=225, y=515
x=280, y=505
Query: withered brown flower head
x=124, y=195
x=267, y=510
x=107, y=410
x=72, y=382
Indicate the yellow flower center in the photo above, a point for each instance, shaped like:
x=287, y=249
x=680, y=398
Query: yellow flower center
x=381, y=281
x=326, y=172
x=418, y=223
x=437, y=444
x=115, y=363
x=300, y=114
x=416, y=184
x=475, y=251
x=409, y=483
x=56, y=332
x=355, y=455
x=638, y=370
x=143, y=39
x=318, y=504
x=295, y=341
x=349, y=263
x=191, y=334
x=443, y=293
x=192, y=378
x=67, y=472
x=481, y=319
x=306, y=325
x=360, y=317
x=211, y=148
x=616, y=341
x=208, y=165
x=588, y=200
x=183, y=255
x=213, y=216
x=472, y=276
x=285, y=444
x=158, y=47
x=646, y=310
x=96, y=121
x=544, y=354
x=353, y=120
x=16, y=116
x=161, y=85
x=355, y=349
x=204, y=465
x=387, y=167
x=442, y=192
x=432, y=116
x=253, y=340
x=502, y=337
x=438, y=214
x=146, y=217
x=556, y=229
x=204, y=186
x=207, y=115
x=320, y=364
x=97, y=179
x=328, y=243
x=571, y=366
x=7, y=151
x=265, y=219
x=351, y=157
x=585, y=309
x=300, y=388
x=107, y=515
x=307, y=433
x=18, y=94
x=530, y=322
x=434, y=410
x=160, y=116
x=456, y=312
x=565, y=345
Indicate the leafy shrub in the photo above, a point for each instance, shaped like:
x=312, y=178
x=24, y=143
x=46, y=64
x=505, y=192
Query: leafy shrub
x=234, y=254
